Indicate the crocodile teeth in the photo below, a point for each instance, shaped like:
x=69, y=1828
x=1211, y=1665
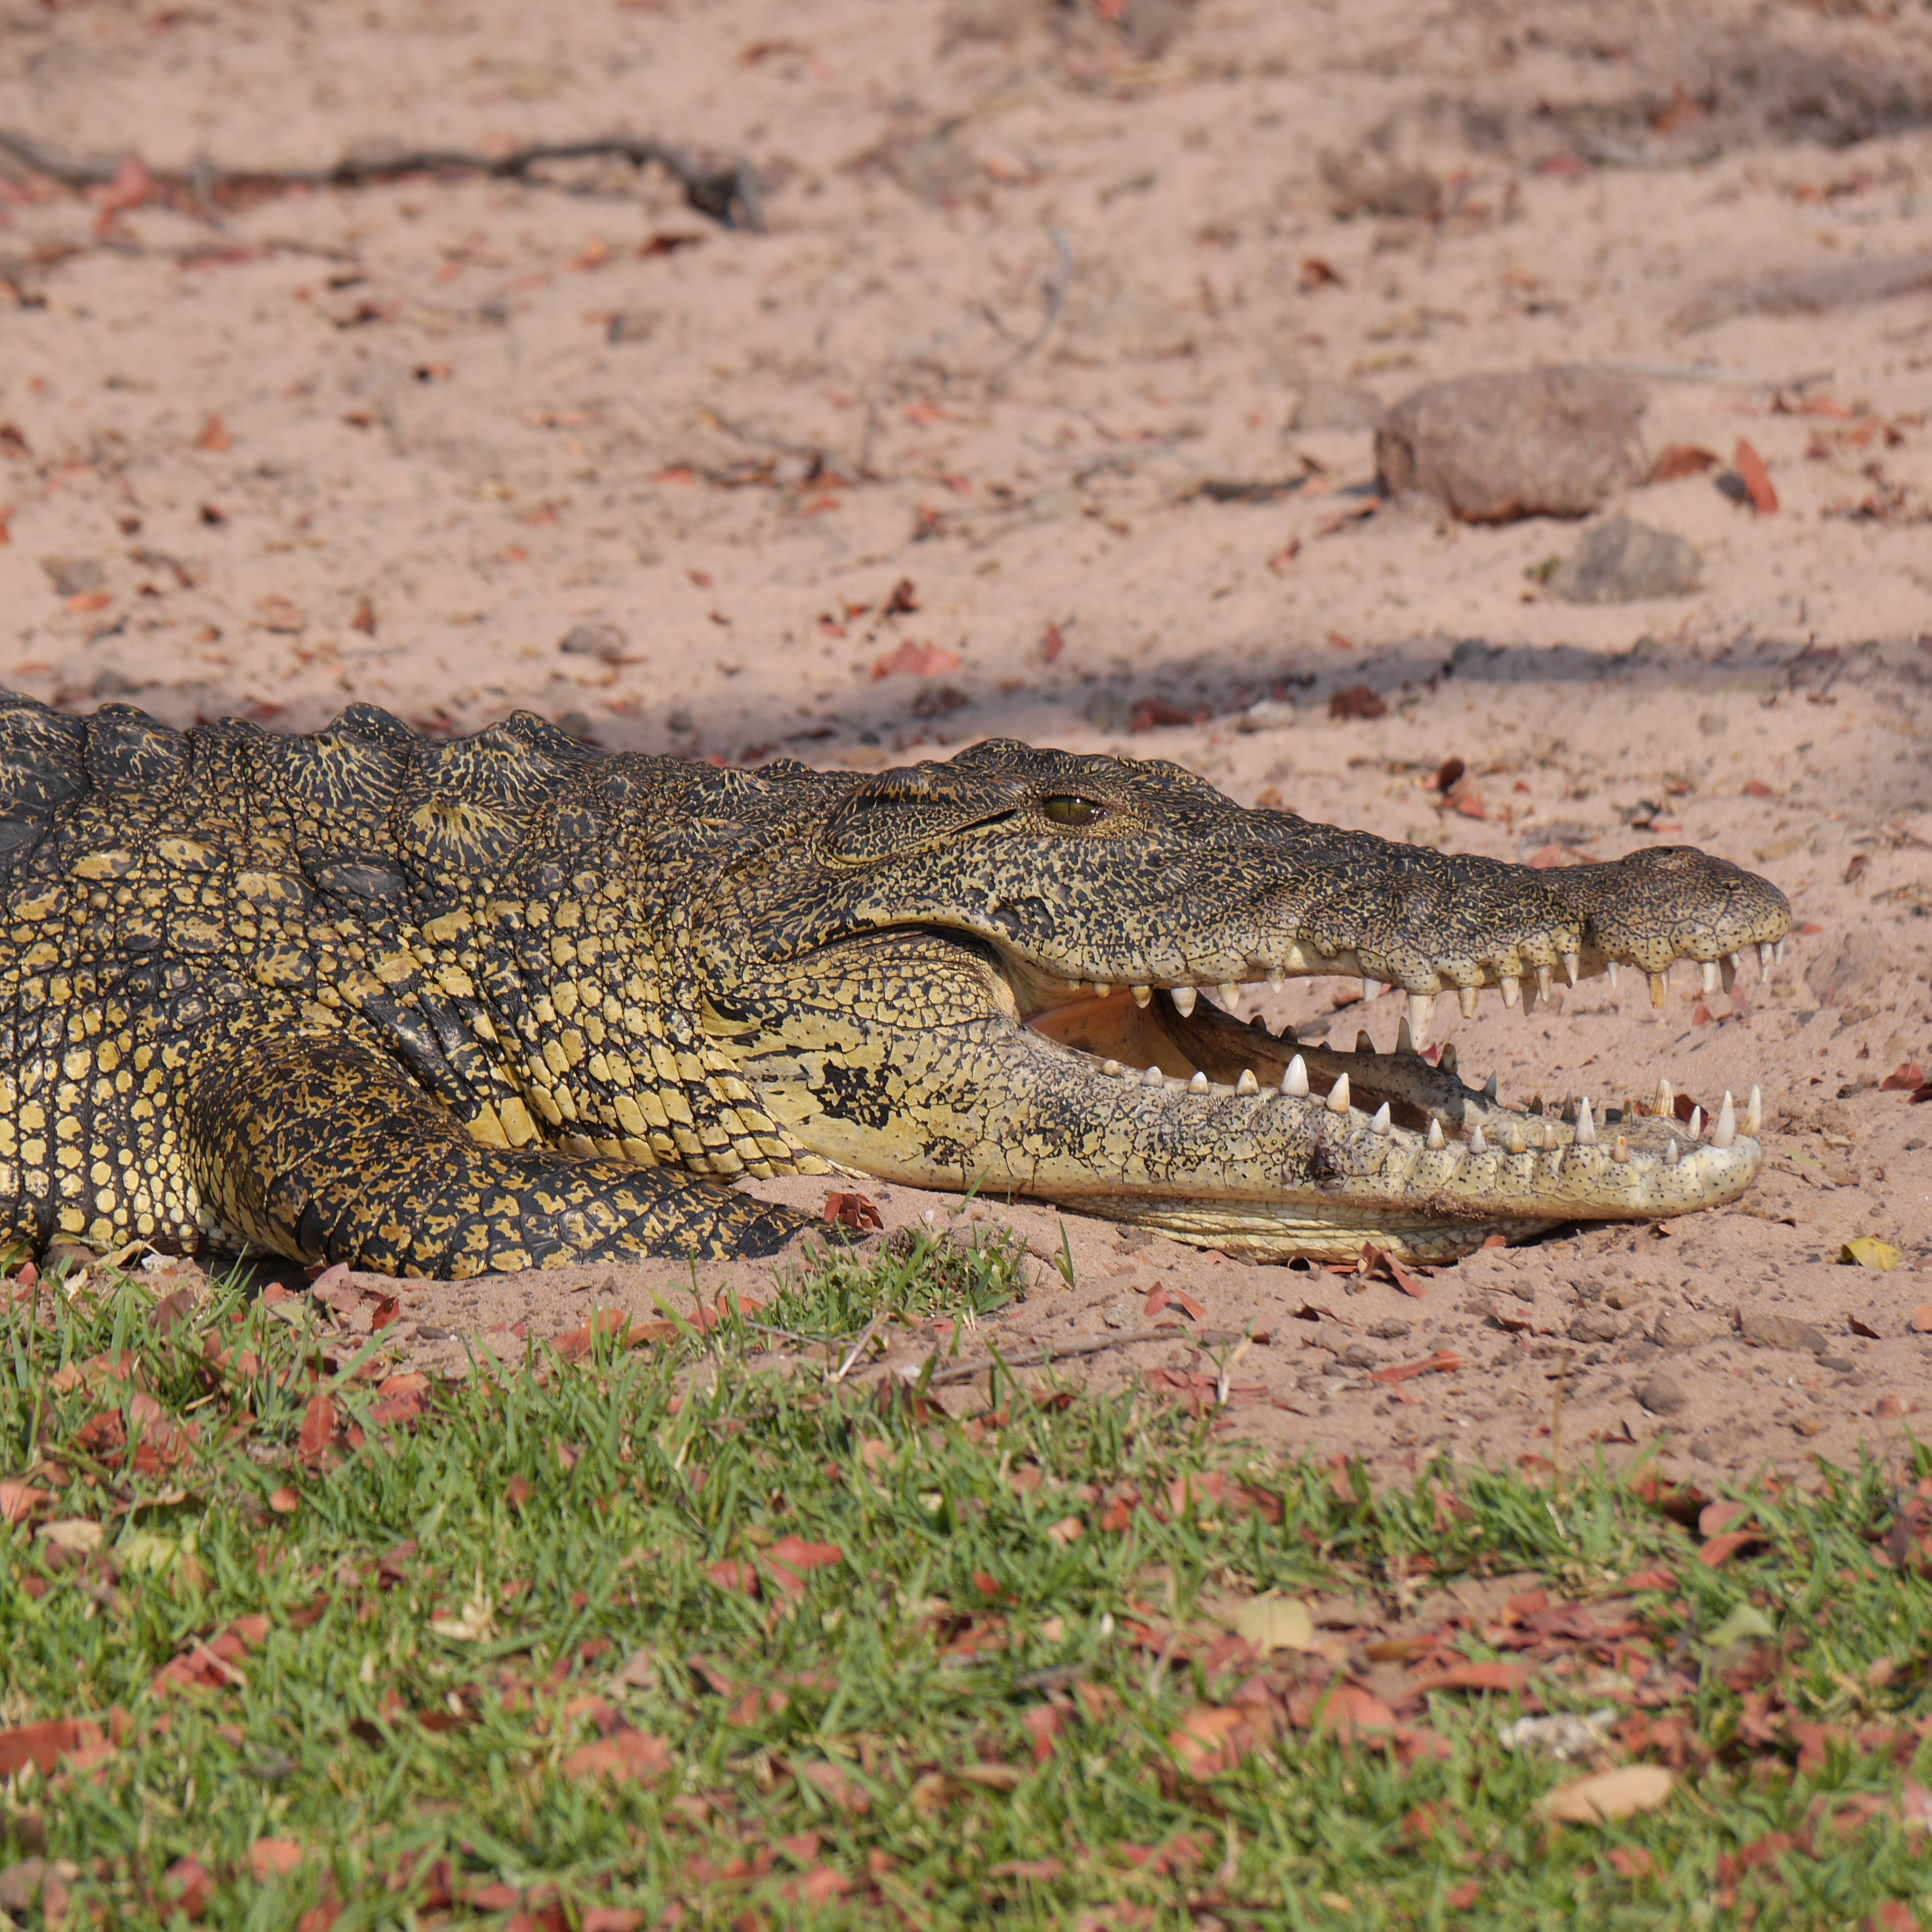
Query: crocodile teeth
x=1102, y=990
x=1665, y=1103
x=1512, y=990
x=1489, y=1087
x=1477, y=1143
x=1277, y=978
x=1338, y=1096
x=1573, y=964
x=1111, y=1070
x=1247, y=1084
x=1405, y=1040
x=1380, y=1124
x=1516, y=1143
x=1708, y=973
x=1370, y=987
x=1153, y=1077
x=1142, y=995
x=1727, y=971
x=1725, y=1131
x=1364, y=1044
x=1620, y=1152
x=1230, y=995
x=1586, y=1128
x=1421, y=1016
x=1610, y=967
x=1465, y=998
x=1694, y=1126
x=1543, y=984
x=1436, y=1141
x=1777, y=953
x=1294, y=1081
x=1671, y=1156
x=1754, y=1113
x=1447, y=1062
x=1659, y=985
x=1766, y=953
x=1199, y=1084
x=1183, y=1001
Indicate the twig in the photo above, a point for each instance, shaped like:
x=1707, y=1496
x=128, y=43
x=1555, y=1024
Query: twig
x=1055, y=288
x=963, y=1371
x=858, y=1348
x=727, y=192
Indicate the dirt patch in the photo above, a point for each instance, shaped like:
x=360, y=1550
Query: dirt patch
x=1079, y=322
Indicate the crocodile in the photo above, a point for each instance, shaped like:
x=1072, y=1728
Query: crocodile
x=442, y=1007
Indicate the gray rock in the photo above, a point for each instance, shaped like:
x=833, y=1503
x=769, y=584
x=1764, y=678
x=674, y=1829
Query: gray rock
x=1593, y=1324
x=1621, y=561
x=1337, y=406
x=74, y=576
x=1359, y=1355
x=1393, y=1330
x=1536, y=442
x=594, y=640
x=1768, y=1330
x=1852, y=971
x=1357, y=188
x=1661, y=1395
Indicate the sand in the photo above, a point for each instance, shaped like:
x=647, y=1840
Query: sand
x=1076, y=320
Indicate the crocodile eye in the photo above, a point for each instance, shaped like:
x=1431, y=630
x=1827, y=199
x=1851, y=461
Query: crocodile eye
x=1067, y=810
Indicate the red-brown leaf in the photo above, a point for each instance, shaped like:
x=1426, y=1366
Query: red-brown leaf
x=1683, y=459
x=318, y=1429
x=1444, y=1362
x=1756, y=478
x=852, y=1211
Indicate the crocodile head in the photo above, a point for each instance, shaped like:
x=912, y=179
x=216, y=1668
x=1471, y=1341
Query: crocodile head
x=989, y=973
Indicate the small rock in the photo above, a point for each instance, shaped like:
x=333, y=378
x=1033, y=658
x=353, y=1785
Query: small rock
x=1780, y=1331
x=1620, y=561
x=1523, y=1291
x=1661, y=1395
x=1119, y=1315
x=1395, y=192
x=1359, y=1355
x=1675, y=1328
x=1593, y=1324
x=594, y=640
x=1536, y=442
x=1393, y=1330
x=631, y=325
x=1334, y=406
x=1623, y=1295
x=74, y=576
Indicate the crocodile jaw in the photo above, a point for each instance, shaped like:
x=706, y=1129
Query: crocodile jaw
x=907, y=1058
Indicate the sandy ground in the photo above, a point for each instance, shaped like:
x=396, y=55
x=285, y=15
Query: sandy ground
x=1054, y=304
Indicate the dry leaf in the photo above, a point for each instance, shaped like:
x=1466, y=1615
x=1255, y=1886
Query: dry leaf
x=1273, y=1623
x=1609, y=1795
x=1868, y=1251
x=1756, y=478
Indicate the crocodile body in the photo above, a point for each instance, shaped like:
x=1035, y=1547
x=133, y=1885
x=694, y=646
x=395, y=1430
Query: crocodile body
x=440, y=1007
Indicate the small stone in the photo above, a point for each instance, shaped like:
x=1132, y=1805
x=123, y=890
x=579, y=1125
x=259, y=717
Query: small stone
x=1533, y=442
x=1621, y=561
x=1359, y=1355
x=1523, y=1291
x=1661, y=1395
x=1593, y=1324
x=75, y=576
x=594, y=640
x=631, y=325
x=1768, y=1330
x=1331, y=406
x=1393, y=1330
x=1623, y=1296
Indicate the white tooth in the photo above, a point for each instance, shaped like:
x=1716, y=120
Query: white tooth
x=1184, y=1000
x=1247, y=1084
x=1708, y=973
x=1671, y=1156
x=1370, y=987
x=1380, y=1124
x=1542, y=982
x=1199, y=1084
x=1338, y=1096
x=1610, y=967
x=1694, y=1126
x=1754, y=1113
x=1659, y=985
x=1405, y=1040
x=1111, y=1070
x=1446, y=1062
x=1512, y=990
x=1725, y=1131
x=1102, y=990
x=1153, y=1077
x=1364, y=1044
x=1421, y=1018
x=1516, y=1143
x=1294, y=1081
x=1230, y=995
x=1466, y=997
x=1727, y=971
x=1620, y=1152
x=1277, y=978
x=1489, y=1087
x=1777, y=953
x=1665, y=1103
x=1435, y=1132
x=1586, y=1128
x=1573, y=964
x=1477, y=1143
x=1142, y=995
x=1764, y=957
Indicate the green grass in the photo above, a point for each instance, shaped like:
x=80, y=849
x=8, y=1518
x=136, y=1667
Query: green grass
x=964, y=1719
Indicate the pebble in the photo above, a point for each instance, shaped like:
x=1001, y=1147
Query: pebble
x=1621, y=560
x=1781, y=1331
x=1661, y=1395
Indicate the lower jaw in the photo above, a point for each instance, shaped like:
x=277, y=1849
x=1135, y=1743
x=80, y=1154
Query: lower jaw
x=1258, y=1233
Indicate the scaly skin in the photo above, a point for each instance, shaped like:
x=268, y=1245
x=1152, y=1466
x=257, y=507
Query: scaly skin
x=437, y=1008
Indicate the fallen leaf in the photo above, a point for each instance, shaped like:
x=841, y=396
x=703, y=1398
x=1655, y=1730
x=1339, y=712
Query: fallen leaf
x=1210, y=1739
x=1683, y=459
x=1868, y=1251
x=1153, y=714
x=214, y=436
x=1043, y=1871
x=18, y=1501
x=1746, y=1623
x=838, y=1784
x=1755, y=788
x=992, y=1777
x=912, y=660
x=284, y=1501
x=855, y=1211
x=1720, y=1549
x=1444, y=1362
x=1903, y=1078
x=1921, y=1318
x=1356, y=700
x=1272, y=1623
x=44, y=1745
x=1511, y=1677
x=187, y=1884
x=625, y=1753
x=793, y=1559
x=1756, y=478
x=1052, y=644
x=274, y=1858
x=1609, y=1795
x=1316, y=274
x=318, y=1428
x=78, y=1533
